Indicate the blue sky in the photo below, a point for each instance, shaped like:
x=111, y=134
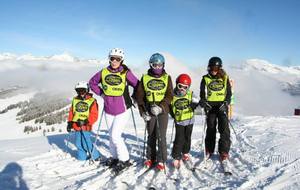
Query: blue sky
x=190, y=30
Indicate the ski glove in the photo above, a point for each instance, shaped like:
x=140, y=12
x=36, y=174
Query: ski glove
x=204, y=104
x=69, y=126
x=81, y=123
x=156, y=110
x=223, y=107
x=146, y=116
x=194, y=103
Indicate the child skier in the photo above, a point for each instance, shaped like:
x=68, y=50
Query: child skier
x=114, y=81
x=82, y=115
x=154, y=95
x=215, y=94
x=182, y=110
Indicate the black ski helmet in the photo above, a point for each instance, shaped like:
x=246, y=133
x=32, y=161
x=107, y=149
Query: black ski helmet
x=215, y=61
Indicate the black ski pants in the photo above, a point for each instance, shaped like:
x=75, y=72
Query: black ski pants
x=154, y=132
x=182, y=142
x=214, y=118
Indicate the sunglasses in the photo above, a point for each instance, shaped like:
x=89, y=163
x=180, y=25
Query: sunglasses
x=182, y=86
x=157, y=65
x=118, y=59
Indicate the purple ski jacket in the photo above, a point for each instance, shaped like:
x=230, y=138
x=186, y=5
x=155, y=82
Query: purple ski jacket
x=113, y=105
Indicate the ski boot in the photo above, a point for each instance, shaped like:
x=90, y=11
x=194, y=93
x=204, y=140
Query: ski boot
x=111, y=162
x=120, y=166
x=176, y=164
x=160, y=166
x=186, y=157
x=149, y=163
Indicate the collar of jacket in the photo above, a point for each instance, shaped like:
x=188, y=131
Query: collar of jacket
x=154, y=75
x=119, y=69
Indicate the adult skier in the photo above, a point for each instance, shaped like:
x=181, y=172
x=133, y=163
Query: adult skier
x=182, y=110
x=154, y=95
x=215, y=94
x=114, y=81
x=82, y=115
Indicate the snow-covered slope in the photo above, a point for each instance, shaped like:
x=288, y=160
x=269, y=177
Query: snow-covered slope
x=264, y=155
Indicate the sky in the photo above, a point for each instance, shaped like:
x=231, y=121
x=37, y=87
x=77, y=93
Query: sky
x=190, y=30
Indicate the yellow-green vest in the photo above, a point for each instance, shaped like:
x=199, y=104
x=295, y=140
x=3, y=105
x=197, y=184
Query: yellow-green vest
x=156, y=87
x=113, y=84
x=181, y=107
x=216, y=88
x=81, y=108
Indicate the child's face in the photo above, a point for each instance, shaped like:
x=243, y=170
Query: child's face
x=81, y=92
x=182, y=88
x=115, y=62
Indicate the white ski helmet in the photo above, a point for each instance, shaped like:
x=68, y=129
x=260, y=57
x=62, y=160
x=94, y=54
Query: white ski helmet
x=116, y=52
x=83, y=85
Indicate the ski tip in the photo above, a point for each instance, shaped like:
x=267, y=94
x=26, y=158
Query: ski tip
x=151, y=188
x=227, y=173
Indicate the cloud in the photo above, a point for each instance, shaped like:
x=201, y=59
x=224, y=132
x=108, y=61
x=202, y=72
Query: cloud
x=99, y=32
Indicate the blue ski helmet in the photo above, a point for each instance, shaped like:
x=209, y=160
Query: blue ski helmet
x=157, y=58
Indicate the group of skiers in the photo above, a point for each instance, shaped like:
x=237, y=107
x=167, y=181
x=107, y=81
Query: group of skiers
x=156, y=99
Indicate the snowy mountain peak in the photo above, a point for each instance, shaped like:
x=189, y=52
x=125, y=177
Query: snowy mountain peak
x=267, y=67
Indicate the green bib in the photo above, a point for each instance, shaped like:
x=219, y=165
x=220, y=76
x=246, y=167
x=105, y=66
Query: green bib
x=155, y=86
x=216, y=89
x=81, y=108
x=113, y=84
x=181, y=107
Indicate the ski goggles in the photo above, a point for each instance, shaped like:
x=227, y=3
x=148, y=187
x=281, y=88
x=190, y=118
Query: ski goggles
x=157, y=65
x=182, y=86
x=81, y=90
x=118, y=59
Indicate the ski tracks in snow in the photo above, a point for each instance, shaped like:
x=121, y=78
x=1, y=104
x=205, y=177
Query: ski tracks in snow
x=260, y=157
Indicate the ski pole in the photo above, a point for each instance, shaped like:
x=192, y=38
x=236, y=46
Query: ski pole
x=144, y=140
x=98, y=131
x=91, y=160
x=134, y=124
x=172, y=133
x=236, y=136
x=159, y=137
x=203, y=137
x=67, y=143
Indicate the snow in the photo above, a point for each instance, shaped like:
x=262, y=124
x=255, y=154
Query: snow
x=264, y=155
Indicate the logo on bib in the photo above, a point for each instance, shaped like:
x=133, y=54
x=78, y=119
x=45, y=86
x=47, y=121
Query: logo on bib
x=156, y=84
x=181, y=104
x=113, y=80
x=216, y=85
x=81, y=107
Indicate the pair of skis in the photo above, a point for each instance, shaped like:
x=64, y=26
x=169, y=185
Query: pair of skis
x=205, y=165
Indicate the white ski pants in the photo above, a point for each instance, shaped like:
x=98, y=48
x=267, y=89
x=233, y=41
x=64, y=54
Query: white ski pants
x=116, y=124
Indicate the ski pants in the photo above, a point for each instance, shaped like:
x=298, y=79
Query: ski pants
x=214, y=118
x=116, y=124
x=182, y=142
x=84, y=146
x=154, y=132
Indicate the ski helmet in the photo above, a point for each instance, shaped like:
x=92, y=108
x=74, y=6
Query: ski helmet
x=156, y=58
x=82, y=85
x=184, y=79
x=116, y=52
x=215, y=61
